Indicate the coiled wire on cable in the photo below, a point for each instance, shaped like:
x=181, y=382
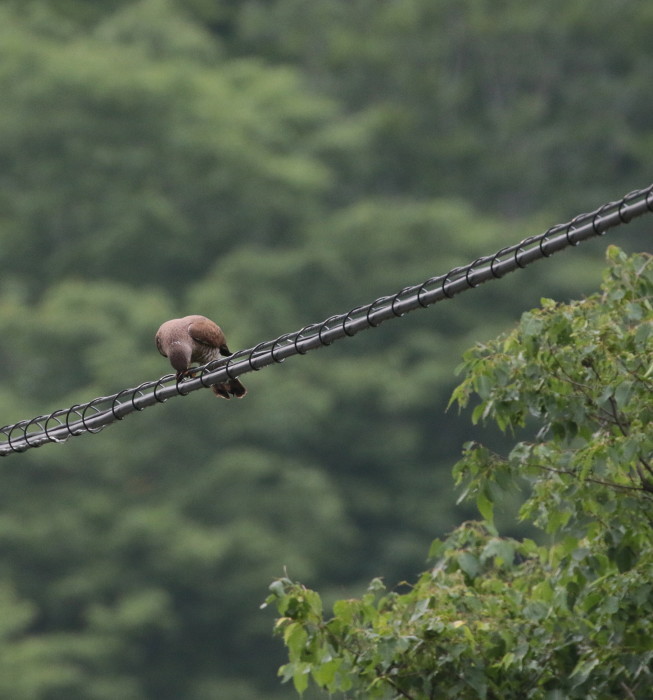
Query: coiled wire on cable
x=93, y=416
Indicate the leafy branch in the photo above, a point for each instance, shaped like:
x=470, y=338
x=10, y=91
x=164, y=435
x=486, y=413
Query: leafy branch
x=498, y=618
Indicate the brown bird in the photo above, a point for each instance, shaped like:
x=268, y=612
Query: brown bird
x=196, y=339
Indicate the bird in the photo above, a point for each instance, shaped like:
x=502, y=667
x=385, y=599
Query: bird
x=197, y=339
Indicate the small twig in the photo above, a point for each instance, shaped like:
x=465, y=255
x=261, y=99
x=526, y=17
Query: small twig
x=617, y=417
x=627, y=690
x=394, y=685
x=591, y=479
x=647, y=484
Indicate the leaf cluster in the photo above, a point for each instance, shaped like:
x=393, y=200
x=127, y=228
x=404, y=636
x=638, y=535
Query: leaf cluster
x=578, y=376
x=500, y=618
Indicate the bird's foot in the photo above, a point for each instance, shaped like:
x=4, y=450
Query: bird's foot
x=184, y=373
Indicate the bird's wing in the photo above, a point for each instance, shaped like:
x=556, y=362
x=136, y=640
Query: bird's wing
x=159, y=345
x=206, y=332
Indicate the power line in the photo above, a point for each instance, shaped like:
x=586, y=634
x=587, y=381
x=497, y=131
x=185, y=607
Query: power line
x=93, y=416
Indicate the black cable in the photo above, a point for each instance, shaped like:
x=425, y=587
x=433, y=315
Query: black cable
x=95, y=415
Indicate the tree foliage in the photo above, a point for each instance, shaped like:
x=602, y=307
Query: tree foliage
x=498, y=102
x=137, y=140
x=495, y=617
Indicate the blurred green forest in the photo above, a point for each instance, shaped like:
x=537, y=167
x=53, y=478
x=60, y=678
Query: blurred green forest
x=268, y=164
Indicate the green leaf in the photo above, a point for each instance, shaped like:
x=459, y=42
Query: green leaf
x=535, y=611
x=543, y=592
x=623, y=392
x=324, y=674
x=299, y=672
x=278, y=588
x=485, y=506
x=484, y=384
x=295, y=637
x=345, y=610
x=436, y=549
x=469, y=564
x=300, y=677
x=502, y=550
x=582, y=671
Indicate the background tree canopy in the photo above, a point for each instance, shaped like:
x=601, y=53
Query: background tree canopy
x=268, y=164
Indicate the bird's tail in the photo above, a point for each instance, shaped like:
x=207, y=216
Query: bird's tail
x=233, y=387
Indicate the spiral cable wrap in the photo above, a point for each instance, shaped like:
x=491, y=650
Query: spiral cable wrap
x=94, y=415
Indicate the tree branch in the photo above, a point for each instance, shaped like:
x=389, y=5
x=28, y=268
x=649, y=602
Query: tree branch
x=594, y=480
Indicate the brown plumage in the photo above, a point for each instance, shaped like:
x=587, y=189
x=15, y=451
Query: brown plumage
x=196, y=339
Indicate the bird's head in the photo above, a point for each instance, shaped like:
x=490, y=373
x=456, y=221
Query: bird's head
x=179, y=354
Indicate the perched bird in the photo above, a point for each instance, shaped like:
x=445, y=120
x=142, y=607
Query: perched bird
x=196, y=339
